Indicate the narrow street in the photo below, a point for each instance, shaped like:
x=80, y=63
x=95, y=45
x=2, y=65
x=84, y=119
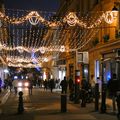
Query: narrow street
x=47, y=106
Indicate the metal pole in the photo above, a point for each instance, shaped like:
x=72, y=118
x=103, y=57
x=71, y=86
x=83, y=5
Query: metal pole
x=76, y=60
x=103, y=93
x=77, y=85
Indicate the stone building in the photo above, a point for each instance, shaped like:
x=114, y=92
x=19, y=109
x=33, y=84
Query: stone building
x=3, y=37
x=103, y=47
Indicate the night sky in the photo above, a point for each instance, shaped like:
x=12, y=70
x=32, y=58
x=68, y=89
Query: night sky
x=42, y=5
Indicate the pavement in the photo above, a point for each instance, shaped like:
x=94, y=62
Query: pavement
x=48, y=107
x=4, y=96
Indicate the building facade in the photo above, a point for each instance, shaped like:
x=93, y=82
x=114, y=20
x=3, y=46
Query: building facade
x=3, y=36
x=103, y=48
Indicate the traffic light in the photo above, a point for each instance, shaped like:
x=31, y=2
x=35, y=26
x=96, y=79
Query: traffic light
x=77, y=83
x=78, y=80
x=77, y=77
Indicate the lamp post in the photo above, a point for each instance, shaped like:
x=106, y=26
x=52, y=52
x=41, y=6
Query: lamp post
x=103, y=93
x=77, y=85
x=116, y=10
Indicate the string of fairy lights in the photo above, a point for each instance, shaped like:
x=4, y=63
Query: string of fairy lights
x=71, y=19
x=27, y=32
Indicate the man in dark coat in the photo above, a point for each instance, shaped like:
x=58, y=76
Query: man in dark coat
x=64, y=85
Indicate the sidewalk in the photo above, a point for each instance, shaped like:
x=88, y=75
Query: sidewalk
x=44, y=105
x=109, y=104
x=76, y=112
x=4, y=96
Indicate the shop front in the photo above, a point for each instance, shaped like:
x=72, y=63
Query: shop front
x=111, y=64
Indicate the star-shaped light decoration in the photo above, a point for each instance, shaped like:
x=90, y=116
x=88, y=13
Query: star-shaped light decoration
x=33, y=18
x=62, y=48
x=108, y=17
x=71, y=19
x=42, y=50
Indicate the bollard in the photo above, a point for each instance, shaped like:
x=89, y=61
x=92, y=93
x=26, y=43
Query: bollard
x=83, y=98
x=20, y=104
x=118, y=104
x=77, y=94
x=103, y=101
x=96, y=97
x=63, y=102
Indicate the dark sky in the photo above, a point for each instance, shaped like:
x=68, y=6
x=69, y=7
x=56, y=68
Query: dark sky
x=42, y=5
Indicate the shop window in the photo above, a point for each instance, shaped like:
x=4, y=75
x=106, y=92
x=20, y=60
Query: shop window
x=118, y=53
x=97, y=69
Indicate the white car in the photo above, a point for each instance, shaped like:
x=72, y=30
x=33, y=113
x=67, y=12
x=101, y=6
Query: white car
x=23, y=83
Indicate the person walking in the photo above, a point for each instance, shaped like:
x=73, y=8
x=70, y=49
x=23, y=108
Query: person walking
x=30, y=86
x=10, y=85
x=64, y=85
x=0, y=85
x=51, y=85
x=15, y=85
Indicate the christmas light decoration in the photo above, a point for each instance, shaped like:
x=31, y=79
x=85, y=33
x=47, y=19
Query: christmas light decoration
x=62, y=48
x=34, y=18
x=71, y=19
x=49, y=38
x=109, y=17
x=42, y=50
x=20, y=49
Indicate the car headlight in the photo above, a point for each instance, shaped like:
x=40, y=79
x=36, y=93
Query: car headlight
x=19, y=84
x=26, y=84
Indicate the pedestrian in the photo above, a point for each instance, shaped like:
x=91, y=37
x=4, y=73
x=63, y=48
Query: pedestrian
x=51, y=85
x=30, y=86
x=10, y=84
x=15, y=85
x=113, y=87
x=0, y=85
x=64, y=85
x=45, y=84
x=93, y=82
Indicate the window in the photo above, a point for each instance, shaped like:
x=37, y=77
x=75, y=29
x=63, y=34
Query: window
x=97, y=69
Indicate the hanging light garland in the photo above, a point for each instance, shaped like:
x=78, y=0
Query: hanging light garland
x=41, y=49
x=22, y=62
x=24, y=65
x=34, y=18
x=45, y=41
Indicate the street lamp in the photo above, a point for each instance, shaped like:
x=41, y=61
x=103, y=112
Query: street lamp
x=103, y=93
x=114, y=8
x=116, y=11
